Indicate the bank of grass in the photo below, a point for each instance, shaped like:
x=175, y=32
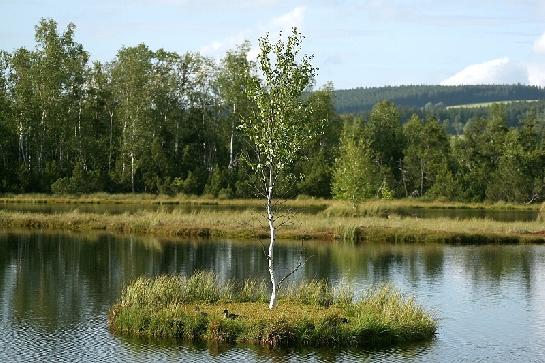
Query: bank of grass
x=246, y=225
x=311, y=314
x=330, y=207
x=154, y=199
x=385, y=208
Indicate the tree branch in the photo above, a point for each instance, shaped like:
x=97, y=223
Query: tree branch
x=264, y=250
x=294, y=270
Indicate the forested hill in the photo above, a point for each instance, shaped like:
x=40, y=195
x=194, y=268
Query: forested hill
x=360, y=100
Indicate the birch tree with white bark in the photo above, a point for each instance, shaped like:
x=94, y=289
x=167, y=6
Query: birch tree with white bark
x=279, y=125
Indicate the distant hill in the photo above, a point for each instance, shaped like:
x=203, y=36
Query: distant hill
x=361, y=100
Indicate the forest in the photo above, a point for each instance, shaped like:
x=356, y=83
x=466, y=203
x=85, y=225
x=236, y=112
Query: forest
x=362, y=99
x=438, y=101
x=162, y=122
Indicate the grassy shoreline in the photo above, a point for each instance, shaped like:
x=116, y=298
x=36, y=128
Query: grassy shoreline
x=245, y=225
x=311, y=314
x=363, y=208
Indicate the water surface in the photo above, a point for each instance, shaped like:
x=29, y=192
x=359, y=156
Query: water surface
x=55, y=291
x=503, y=215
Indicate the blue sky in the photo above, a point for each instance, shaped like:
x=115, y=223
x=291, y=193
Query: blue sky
x=355, y=43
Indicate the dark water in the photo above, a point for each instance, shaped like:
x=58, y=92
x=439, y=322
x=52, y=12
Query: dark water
x=55, y=291
x=497, y=215
x=131, y=208
x=111, y=208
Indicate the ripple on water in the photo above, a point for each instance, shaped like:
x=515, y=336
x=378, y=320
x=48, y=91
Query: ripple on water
x=489, y=299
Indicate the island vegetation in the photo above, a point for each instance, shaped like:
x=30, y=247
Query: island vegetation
x=313, y=314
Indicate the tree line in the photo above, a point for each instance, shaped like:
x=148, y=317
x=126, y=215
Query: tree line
x=383, y=158
x=148, y=121
x=362, y=99
x=164, y=122
x=455, y=118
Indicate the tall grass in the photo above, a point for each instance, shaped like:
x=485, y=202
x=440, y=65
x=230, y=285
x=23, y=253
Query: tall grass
x=219, y=224
x=332, y=207
x=146, y=198
x=541, y=215
x=385, y=208
x=309, y=314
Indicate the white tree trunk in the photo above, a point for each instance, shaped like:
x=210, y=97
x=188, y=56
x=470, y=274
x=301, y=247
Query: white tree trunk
x=231, y=149
x=40, y=155
x=111, y=140
x=421, y=177
x=270, y=217
x=80, y=141
x=232, y=136
x=132, y=171
x=22, y=143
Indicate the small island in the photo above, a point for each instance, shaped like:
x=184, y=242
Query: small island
x=310, y=314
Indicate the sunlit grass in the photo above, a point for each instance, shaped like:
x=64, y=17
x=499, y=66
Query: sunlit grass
x=487, y=104
x=308, y=314
x=335, y=207
x=247, y=224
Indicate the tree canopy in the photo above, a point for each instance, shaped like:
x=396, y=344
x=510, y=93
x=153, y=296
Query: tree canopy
x=158, y=121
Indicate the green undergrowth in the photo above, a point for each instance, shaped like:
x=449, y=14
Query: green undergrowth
x=312, y=314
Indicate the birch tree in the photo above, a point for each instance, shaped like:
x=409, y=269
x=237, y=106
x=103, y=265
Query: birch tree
x=356, y=176
x=131, y=76
x=278, y=127
x=8, y=144
x=426, y=154
x=235, y=67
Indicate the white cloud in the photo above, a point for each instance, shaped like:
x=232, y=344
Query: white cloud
x=212, y=47
x=289, y=20
x=219, y=47
x=199, y=3
x=496, y=71
x=504, y=70
x=536, y=74
x=284, y=22
x=539, y=44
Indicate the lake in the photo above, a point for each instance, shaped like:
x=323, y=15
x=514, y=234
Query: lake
x=56, y=289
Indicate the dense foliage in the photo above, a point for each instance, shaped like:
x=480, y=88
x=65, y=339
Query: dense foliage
x=149, y=121
x=163, y=122
x=418, y=159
